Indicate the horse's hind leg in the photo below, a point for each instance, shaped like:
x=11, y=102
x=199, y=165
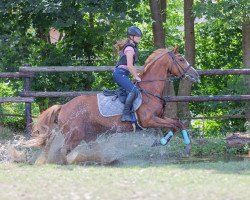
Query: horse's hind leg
x=72, y=139
x=51, y=152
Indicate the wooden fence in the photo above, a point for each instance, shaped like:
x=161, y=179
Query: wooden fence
x=27, y=96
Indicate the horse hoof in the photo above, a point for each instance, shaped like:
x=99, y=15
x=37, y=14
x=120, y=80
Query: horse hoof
x=156, y=143
x=187, y=150
x=115, y=162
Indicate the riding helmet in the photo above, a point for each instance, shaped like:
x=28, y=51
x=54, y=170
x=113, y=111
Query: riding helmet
x=134, y=31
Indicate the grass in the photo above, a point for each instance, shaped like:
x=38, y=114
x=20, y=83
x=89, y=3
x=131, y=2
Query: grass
x=188, y=180
x=6, y=133
x=204, y=180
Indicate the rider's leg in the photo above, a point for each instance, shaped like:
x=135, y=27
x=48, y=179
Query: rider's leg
x=121, y=77
x=126, y=115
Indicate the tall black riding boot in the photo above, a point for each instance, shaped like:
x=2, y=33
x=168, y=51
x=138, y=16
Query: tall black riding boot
x=127, y=107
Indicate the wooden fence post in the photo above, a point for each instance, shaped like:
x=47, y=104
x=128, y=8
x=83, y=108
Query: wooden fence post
x=28, y=119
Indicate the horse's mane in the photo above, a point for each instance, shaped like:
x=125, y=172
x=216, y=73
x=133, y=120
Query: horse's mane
x=152, y=58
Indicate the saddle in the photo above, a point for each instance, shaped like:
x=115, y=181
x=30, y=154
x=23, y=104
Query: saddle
x=111, y=102
x=119, y=93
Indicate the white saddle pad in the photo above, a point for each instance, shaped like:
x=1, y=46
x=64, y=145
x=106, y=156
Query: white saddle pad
x=111, y=106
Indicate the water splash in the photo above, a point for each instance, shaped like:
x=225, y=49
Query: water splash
x=123, y=148
x=10, y=150
x=126, y=148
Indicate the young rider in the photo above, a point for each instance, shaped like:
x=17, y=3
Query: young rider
x=125, y=66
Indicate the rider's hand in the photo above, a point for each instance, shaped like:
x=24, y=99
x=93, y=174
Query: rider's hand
x=138, y=79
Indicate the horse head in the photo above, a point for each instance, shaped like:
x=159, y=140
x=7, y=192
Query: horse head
x=181, y=68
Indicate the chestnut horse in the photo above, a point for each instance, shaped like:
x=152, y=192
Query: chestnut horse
x=80, y=119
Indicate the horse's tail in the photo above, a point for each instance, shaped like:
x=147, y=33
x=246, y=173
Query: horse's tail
x=41, y=130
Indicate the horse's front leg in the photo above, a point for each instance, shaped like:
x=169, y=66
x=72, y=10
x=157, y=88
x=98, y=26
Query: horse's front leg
x=157, y=122
x=174, y=125
x=177, y=124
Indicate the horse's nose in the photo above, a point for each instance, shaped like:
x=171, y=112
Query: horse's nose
x=193, y=77
x=196, y=75
x=196, y=78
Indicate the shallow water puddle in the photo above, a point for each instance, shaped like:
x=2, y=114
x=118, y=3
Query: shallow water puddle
x=119, y=148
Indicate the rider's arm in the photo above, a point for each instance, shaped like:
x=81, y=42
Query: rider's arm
x=131, y=68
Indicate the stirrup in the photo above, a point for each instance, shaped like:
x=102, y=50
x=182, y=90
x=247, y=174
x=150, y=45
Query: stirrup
x=131, y=117
x=126, y=118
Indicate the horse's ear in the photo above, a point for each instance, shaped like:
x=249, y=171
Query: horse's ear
x=175, y=50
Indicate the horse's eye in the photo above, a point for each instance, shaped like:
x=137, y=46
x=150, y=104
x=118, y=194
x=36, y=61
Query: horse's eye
x=181, y=59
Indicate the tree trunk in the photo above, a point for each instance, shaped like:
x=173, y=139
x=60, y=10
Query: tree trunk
x=246, y=61
x=185, y=85
x=158, y=30
x=163, y=11
x=158, y=13
x=170, y=107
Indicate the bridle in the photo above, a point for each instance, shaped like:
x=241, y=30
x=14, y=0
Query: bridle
x=183, y=74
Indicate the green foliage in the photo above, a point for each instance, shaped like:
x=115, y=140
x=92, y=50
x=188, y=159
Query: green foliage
x=89, y=28
x=232, y=11
x=174, y=24
x=11, y=89
x=6, y=133
x=5, y=91
x=215, y=148
x=12, y=121
x=219, y=47
x=247, y=126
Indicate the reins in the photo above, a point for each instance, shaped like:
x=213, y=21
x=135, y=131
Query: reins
x=152, y=94
x=171, y=78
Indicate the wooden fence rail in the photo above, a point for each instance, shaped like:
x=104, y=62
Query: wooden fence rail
x=16, y=74
x=167, y=98
x=16, y=99
x=111, y=68
x=27, y=96
x=207, y=98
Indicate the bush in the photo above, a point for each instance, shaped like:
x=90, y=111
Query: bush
x=215, y=147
